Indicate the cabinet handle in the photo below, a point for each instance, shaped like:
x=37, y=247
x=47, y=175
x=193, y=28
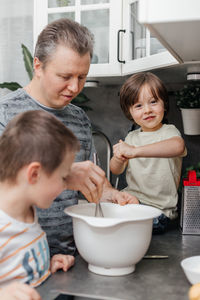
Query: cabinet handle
x=118, y=45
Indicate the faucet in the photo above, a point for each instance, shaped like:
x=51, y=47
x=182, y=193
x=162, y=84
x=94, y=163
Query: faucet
x=108, y=151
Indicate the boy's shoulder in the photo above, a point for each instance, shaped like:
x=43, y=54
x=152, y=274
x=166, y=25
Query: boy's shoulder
x=134, y=132
x=132, y=135
x=170, y=129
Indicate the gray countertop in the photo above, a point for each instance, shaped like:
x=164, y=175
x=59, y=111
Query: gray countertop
x=153, y=279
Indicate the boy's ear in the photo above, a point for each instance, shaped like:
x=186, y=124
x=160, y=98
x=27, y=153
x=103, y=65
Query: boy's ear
x=33, y=172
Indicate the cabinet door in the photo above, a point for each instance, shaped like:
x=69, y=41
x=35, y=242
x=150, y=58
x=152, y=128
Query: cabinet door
x=102, y=17
x=141, y=50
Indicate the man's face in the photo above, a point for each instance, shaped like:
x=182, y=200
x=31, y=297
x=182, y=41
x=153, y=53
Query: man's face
x=62, y=78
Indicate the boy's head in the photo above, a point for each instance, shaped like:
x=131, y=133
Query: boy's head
x=34, y=136
x=130, y=91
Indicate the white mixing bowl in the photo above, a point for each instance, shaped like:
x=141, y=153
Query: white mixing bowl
x=114, y=244
x=191, y=268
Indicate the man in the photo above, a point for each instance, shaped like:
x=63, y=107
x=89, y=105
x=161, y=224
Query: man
x=61, y=63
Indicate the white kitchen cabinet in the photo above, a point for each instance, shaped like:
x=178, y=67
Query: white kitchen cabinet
x=176, y=24
x=122, y=45
x=97, y=15
x=141, y=50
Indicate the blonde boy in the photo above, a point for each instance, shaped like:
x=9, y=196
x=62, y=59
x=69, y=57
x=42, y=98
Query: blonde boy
x=36, y=154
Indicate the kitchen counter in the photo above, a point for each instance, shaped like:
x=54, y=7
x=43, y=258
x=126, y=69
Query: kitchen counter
x=153, y=279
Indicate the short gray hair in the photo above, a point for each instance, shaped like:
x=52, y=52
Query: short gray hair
x=63, y=32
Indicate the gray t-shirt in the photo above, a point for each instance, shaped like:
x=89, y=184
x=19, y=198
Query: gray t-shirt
x=53, y=220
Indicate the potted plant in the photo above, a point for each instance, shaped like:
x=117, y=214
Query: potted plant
x=188, y=100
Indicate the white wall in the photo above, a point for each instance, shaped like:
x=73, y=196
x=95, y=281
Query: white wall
x=16, y=27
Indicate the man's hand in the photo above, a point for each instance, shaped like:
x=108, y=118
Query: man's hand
x=87, y=178
x=112, y=195
x=61, y=261
x=123, y=198
x=19, y=291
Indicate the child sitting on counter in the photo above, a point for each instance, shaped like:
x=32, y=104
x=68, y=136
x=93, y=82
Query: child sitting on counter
x=36, y=154
x=152, y=153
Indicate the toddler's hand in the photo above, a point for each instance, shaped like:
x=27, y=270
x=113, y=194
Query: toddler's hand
x=61, y=261
x=19, y=291
x=123, y=151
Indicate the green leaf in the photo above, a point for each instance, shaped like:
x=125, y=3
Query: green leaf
x=189, y=96
x=81, y=98
x=62, y=3
x=13, y=86
x=28, y=61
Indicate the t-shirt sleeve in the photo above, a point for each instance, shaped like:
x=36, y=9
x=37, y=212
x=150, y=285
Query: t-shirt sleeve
x=128, y=138
x=172, y=131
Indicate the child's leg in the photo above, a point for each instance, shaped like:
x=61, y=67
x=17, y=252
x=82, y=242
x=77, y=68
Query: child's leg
x=160, y=224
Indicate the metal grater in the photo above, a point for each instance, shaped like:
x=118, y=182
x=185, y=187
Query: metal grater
x=190, y=206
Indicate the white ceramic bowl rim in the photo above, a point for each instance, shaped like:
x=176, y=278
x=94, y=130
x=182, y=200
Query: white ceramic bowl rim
x=187, y=266
x=108, y=222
